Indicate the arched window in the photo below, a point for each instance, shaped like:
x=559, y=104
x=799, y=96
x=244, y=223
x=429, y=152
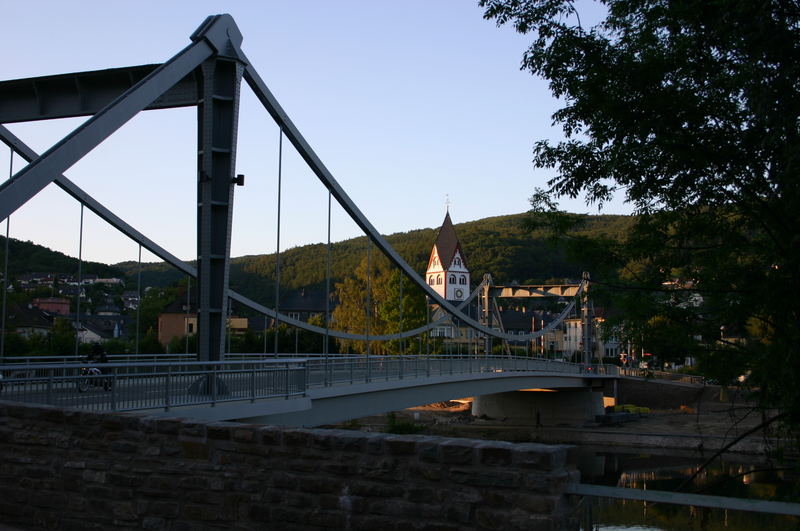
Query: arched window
x=439, y=280
x=457, y=261
x=462, y=279
x=431, y=280
x=452, y=279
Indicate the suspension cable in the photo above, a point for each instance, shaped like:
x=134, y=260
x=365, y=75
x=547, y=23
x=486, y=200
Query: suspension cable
x=5, y=270
x=80, y=283
x=278, y=242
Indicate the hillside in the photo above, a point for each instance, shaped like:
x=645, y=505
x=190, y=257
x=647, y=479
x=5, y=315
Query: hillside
x=497, y=245
x=28, y=257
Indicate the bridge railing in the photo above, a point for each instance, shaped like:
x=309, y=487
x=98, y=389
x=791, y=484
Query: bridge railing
x=662, y=375
x=345, y=370
x=155, y=385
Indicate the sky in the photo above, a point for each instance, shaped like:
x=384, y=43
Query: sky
x=413, y=106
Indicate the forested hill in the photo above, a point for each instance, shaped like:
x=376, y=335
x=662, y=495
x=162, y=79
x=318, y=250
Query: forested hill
x=498, y=245
x=28, y=257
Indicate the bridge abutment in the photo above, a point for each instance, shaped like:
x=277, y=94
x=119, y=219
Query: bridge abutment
x=542, y=406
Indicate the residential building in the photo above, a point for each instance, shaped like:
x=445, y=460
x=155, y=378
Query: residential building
x=55, y=305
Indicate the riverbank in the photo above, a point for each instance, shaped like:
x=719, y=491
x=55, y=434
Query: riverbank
x=701, y=433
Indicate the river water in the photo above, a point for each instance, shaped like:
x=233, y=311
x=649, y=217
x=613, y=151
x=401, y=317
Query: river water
x=734, y=476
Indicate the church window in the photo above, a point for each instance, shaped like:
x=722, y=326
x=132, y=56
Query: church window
x=439, y=280
x=452, y=279
x=462, y=280
x=457, y=261
x=431, y=280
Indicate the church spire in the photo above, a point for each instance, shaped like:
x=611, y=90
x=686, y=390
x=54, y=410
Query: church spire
x=447, y=268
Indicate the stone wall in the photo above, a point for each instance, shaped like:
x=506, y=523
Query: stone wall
x=68, y=469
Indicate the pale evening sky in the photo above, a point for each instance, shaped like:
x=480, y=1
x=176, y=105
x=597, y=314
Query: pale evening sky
x=406, y=103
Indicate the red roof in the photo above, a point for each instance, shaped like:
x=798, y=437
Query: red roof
x=447, y=243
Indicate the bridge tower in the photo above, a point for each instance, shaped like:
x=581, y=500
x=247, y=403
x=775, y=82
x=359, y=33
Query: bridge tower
x=447, y=270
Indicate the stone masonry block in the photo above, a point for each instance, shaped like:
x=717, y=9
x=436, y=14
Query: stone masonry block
x=348, y=440
x=428, y=449
x=495, y=453
x=270, y=435
x=401, y=445
x=380, y=490
x=192, y=430
x=220, y=431
x=168, y=425
x=540, y=456
x=245, y=434
x=319, y=485
x=457, y=451
x=486, y=477
x=297, y=439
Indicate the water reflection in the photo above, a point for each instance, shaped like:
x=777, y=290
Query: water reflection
x=742, y=478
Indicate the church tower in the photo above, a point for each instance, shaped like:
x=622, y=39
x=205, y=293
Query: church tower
x=447, y=270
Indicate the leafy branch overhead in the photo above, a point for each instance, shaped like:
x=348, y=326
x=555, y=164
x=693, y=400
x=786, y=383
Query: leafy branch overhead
x=691, y=112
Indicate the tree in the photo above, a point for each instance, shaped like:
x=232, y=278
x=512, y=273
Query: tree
x=381, y=293
x=691, y=110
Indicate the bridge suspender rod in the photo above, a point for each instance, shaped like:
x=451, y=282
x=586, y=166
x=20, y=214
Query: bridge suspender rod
x=276, y=321
x=5, y=268
x=402, y=341
x=138, y=298
x=188, y=309
x=80, y=282
x=325, y=347
x=369, y=290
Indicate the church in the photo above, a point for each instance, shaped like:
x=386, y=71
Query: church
x=448, y=275
x=447, y=271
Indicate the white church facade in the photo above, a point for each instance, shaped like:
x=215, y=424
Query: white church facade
x=447, y=271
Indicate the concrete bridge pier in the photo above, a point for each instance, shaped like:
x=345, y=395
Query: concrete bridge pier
x=547, y=407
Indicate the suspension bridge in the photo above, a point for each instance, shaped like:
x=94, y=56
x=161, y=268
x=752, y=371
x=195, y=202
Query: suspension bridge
x=215, y=385
x=207, y=75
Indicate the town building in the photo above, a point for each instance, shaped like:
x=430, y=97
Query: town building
x=56, y=305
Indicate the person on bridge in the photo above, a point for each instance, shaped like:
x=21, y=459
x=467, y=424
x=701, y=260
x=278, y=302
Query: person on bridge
x=98, y=355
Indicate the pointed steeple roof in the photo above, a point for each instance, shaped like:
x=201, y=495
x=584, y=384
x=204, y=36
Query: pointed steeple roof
x=447, y=242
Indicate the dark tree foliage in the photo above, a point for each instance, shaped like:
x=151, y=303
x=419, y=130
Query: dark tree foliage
x=692, y=111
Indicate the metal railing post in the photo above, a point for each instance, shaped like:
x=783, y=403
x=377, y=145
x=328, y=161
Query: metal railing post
x=253, y=382
x=213, y=385
x=286, y=382
x=49, y=398
x=166, y=388
x=113, y=391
